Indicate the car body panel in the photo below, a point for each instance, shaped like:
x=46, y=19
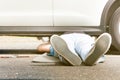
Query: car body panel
x=26, y=13
x=78, y=12
x=28, y=17
x=49, y=12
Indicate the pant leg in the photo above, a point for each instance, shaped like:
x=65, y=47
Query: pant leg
x=83, y=45
x=79, y=43
x=52, y=52
x=70, y=40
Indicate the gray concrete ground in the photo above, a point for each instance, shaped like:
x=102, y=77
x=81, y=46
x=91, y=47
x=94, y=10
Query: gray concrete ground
x=23, y=68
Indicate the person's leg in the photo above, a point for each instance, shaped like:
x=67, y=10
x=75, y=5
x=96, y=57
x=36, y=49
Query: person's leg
x=101, y=46
x=62, y=48
x=45, y=47
x=83, y=45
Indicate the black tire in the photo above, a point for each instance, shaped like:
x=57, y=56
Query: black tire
x=114, y=29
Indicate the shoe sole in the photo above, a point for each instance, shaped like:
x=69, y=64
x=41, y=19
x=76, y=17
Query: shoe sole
x=61, y=48
x=102, y=45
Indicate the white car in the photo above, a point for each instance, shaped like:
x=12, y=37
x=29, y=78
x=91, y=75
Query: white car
x=46, y=17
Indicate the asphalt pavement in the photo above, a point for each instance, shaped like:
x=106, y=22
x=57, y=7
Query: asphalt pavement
x=25, y=69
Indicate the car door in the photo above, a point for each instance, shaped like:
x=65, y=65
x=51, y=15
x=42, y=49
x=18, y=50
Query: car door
x=26, y=13
x=78, y=12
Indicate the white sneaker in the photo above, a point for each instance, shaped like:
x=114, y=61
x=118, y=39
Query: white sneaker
x=62, y=49
x=101, y=46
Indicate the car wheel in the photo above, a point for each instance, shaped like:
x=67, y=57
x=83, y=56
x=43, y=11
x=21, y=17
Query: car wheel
x=114, y=29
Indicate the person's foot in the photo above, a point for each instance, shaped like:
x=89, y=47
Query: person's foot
x=101, y=46
x=61, y=48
